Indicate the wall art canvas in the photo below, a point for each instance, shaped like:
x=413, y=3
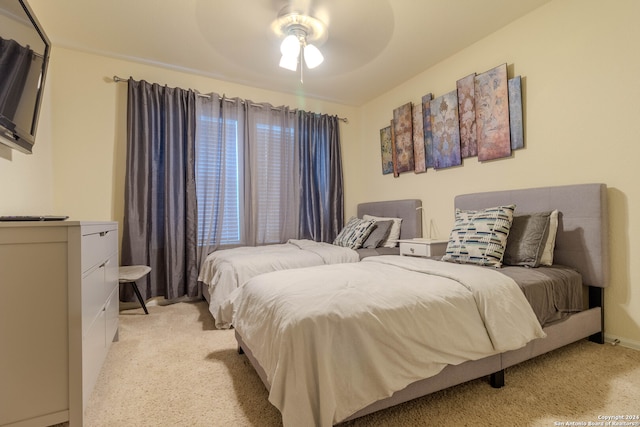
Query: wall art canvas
x=426, y=130
x=492, y=114
x=515, y=113
x=467, y=114
x=403, y=138
x=446, y=130
x=419, y=160
x=385, y=150
x=394, y=157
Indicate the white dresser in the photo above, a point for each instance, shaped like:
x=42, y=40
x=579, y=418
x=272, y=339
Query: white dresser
x=58, y=317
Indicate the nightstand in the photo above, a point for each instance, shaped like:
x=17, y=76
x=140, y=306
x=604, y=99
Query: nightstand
x=423, y=247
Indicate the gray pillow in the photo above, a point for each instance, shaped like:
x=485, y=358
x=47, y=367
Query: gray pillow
x=354, y=233
x=527, y=238
x=378, y=235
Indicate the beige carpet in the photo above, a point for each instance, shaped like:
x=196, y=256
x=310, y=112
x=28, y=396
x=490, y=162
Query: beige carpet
x=171, y=368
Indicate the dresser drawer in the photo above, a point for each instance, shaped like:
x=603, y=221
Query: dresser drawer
x=94, y=351
x=97, y=287
x=111, y=310
x=110, y=276
x=97, y=247
x=93, y=298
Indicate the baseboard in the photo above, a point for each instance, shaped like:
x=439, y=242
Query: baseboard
x=624, y=342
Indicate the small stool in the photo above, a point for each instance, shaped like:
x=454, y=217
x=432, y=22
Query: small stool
x=132, y=273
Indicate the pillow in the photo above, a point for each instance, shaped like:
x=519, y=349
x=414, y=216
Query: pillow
x=394, y=233
x=354, y=233
x=527, y=238
x=479, y=237
x=547, y=253
x=378, y=234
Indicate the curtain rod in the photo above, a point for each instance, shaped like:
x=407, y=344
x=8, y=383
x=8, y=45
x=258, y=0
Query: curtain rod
x=121, y=80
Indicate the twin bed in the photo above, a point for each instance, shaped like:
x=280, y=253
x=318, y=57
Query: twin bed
x=225, y=271
x=336, y=342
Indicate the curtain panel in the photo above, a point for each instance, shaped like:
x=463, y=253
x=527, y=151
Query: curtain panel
x=205, y=172
x=159, y=228
x=322, y=199
x=247, y=165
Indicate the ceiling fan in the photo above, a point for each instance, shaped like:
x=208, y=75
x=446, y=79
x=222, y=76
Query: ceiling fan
x=299, y=31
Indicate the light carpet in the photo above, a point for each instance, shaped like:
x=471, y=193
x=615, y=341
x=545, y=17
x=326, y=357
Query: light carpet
x=173, y=368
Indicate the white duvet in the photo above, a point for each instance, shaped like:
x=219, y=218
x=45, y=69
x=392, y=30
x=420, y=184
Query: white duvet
x=336, y=338
x=225, y=270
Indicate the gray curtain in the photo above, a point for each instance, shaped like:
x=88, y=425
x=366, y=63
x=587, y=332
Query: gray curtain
x=322, y=199
x=247, y=169
x=160, y=198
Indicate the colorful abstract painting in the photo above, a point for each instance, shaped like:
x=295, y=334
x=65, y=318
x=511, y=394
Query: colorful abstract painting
x=419, y=160
x=515, y=113
x=467, y=114
x=385, y=150
x=403, y=138
x=492, y=114
x=426, y=130
x=446, y=130
x=394, y=158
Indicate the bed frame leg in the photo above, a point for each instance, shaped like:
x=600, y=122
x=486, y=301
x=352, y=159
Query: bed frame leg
x=497, y=379
x=240, y=350
x=596, y=299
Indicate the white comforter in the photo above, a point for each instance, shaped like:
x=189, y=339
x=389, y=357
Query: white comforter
x=333, y=339
x=225, y=270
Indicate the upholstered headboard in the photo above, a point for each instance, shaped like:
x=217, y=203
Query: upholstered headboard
x=410, y=210
x=582, y=240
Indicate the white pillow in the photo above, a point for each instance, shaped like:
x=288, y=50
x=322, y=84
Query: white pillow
x=547, y=252
x=394, y=233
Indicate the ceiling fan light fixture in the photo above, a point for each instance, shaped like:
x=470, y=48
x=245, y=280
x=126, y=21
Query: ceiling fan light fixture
x=290, y=46
x=289, y=62
x=299, y=31
x=312, y=56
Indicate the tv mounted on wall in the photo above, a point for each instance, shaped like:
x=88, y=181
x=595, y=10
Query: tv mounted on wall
x=24, y=56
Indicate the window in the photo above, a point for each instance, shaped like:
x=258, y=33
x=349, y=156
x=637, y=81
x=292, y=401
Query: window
x=221, y=187
x=213, y=160
x=271, y=176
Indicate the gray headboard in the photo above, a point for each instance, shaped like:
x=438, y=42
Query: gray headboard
x=408, y=209
x=582, y=241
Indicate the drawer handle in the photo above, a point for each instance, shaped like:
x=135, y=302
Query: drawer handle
x=103, y=233
x=104, y=264
x=412, y=250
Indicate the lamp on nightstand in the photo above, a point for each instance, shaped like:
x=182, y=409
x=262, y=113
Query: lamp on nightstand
x=428, y=230
x=424, y=223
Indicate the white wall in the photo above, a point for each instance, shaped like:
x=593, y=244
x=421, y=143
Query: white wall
x=26, y=180
x=580, y=74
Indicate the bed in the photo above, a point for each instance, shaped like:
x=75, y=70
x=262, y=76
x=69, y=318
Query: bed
x=225, y=270
x=300, y=357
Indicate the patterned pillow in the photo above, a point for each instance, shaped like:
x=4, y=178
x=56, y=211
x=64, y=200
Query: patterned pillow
x=480, y=237
x=354, y=233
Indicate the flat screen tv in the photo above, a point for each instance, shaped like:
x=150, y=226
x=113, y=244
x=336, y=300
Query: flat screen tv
x=24, y=56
